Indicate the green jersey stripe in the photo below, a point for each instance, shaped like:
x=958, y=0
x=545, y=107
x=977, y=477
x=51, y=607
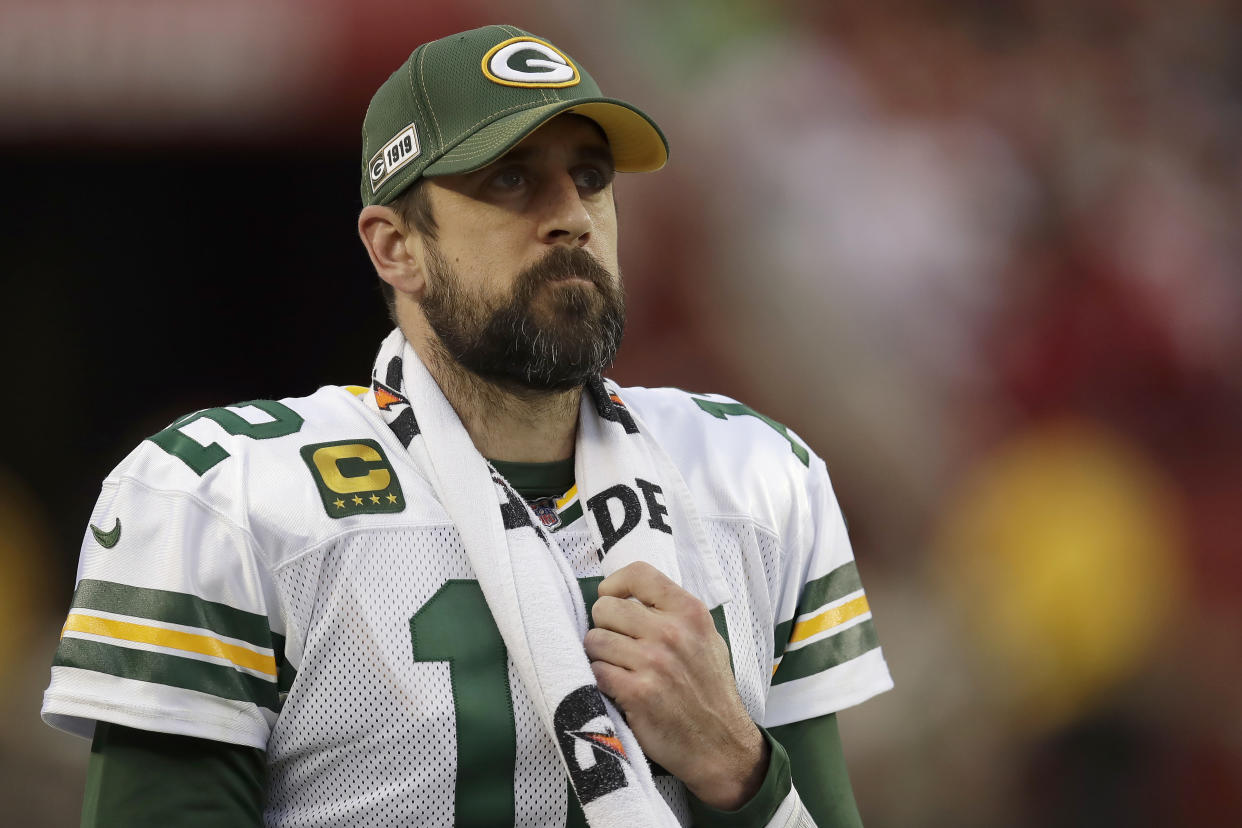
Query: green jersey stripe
x=780, y=638
x=170, y=670
x=827, y=653
x=569, y=514
x=835, y=585
x=285, y=674
x=173, y=608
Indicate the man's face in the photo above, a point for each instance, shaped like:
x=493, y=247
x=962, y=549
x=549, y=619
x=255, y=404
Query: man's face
x=523, y=286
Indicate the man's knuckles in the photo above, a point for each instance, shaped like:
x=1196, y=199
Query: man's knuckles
x=637, y=691
x=673, y=637
x=643, y=570
x=595, y=642
x=689, y=629
x=609, y=677
x=615, y=613
x=659, y=661
x=599, y=611
x=644, y=582
x=632, y=576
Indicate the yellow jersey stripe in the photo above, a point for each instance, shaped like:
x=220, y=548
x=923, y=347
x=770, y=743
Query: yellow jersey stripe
x=174, y=639
x=357, y=390
x=828, y=619
x=568, y=497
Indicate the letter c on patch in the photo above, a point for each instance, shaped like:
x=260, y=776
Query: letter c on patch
x=328, y=459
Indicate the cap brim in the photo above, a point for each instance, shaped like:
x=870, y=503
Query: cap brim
x=637, y=144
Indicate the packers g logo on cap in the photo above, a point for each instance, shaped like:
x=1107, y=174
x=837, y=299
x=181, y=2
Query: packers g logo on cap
x=529, y=62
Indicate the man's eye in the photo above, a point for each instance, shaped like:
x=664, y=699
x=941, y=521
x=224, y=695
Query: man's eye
x=511, y=179
x=590, y=178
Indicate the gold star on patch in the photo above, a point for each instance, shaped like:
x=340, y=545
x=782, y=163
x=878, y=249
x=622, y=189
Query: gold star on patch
x=375, y=498
x=357, y=500
x=392, y=498
x=338, y=503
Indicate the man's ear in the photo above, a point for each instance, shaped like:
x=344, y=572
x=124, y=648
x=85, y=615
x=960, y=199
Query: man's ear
x=396, y=252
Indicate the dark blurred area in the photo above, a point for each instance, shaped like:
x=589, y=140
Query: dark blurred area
x=984, y=257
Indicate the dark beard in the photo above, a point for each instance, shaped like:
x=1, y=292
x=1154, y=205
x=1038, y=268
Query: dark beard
x=512, y=346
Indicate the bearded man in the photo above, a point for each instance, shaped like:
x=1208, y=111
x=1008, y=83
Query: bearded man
x=491, y=587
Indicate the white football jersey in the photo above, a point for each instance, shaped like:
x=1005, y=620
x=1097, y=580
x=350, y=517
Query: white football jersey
x=278, y=575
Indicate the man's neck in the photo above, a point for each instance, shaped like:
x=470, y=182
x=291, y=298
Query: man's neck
x=517, y=425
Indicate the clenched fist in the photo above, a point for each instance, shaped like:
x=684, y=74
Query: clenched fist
x=663, y=663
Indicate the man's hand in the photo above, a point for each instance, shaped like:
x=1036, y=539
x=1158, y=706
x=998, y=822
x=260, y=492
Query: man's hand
x=667, y=668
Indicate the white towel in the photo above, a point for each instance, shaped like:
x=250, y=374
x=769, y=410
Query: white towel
x=637, y=507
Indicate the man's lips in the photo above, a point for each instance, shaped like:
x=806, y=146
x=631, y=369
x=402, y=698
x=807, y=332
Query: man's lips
x=571, y=277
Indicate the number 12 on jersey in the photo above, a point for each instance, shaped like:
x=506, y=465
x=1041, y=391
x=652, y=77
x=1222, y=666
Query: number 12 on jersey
x=455, y=626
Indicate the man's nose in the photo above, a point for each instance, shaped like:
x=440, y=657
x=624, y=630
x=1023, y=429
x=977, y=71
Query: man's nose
x=565, y=219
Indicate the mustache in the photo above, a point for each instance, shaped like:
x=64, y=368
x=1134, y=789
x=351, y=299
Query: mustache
x=563, y=263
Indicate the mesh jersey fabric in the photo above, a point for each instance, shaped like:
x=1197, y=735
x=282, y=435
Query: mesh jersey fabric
x=357, y=650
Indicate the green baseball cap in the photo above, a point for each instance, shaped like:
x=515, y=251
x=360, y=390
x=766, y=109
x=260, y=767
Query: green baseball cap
x=459, y=103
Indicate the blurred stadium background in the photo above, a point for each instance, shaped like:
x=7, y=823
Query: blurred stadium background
x=983, y=256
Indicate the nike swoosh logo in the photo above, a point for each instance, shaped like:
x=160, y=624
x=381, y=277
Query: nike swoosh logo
x=110, y=538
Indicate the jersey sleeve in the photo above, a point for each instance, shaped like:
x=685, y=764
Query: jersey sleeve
x=173, y=626
x=826, y=654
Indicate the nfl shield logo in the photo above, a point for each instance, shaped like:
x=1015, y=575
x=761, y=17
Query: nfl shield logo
x=545, y=509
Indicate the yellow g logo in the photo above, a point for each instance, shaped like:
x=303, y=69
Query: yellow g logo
x=353, y=477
